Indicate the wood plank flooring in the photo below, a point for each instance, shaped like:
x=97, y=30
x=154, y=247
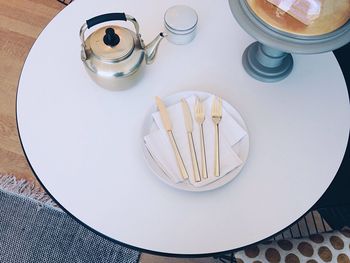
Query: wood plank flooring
x=21, y=21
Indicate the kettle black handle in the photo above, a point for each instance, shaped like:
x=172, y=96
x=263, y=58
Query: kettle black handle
x=104, y=18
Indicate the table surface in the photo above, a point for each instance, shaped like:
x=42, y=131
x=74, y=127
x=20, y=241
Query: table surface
x=84, y=143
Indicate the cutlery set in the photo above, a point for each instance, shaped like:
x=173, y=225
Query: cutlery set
x=199, y=115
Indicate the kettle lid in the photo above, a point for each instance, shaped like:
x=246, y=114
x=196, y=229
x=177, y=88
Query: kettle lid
x=111, y=43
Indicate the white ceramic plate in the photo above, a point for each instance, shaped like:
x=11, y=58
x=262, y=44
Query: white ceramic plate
x=241, y=148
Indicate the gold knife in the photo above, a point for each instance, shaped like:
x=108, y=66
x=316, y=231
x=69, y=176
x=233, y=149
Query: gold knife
x=168, y=127
x=189, y=129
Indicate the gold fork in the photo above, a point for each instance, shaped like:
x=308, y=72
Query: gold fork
x=216, y=115
x=200, y=117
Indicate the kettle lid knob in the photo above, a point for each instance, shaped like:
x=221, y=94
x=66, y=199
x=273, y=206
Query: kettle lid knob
x=111, y=38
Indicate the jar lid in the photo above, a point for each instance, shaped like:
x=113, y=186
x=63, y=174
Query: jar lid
x=180, y=18
x=112, y=43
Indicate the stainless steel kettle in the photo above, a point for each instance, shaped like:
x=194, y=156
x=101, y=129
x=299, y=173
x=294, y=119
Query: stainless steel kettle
x=113, y=55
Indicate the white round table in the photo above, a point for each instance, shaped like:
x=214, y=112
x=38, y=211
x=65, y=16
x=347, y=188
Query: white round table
x=84, y=143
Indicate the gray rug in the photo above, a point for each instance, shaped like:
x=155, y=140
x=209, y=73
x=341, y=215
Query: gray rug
x=34, y=230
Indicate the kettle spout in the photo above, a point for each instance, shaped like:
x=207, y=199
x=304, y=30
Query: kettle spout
x=152, y=48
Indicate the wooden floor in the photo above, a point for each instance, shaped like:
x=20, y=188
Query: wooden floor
x=21, y=22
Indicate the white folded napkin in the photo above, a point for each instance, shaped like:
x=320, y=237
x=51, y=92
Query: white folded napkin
x=230, y=133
